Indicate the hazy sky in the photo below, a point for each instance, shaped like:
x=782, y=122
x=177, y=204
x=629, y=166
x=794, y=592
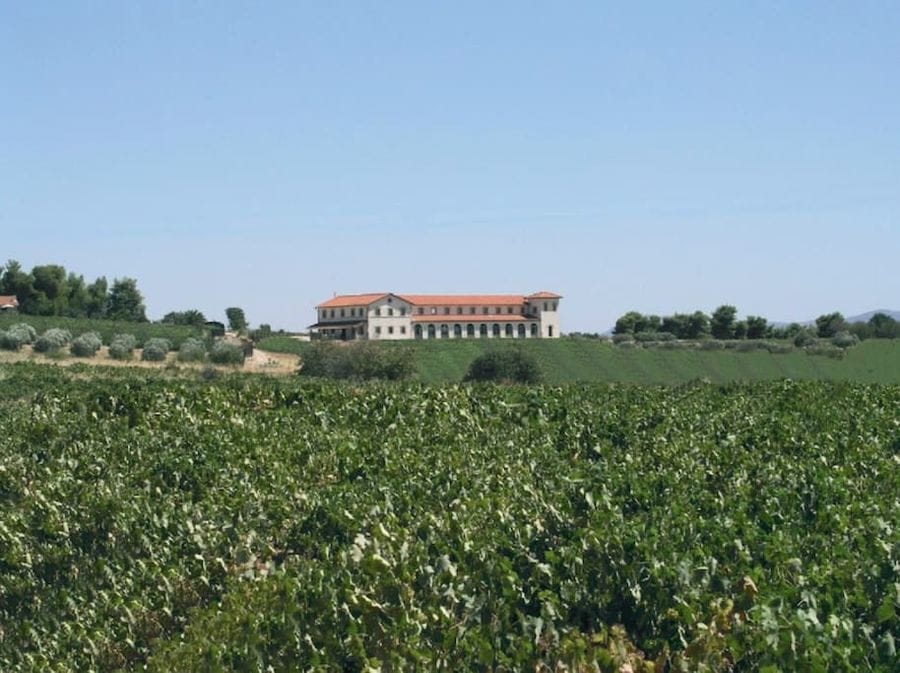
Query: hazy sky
x=653, y=156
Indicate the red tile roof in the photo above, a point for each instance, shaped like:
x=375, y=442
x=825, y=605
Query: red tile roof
x=480, y=317
x=464, y=299
x=342, y=300
x=8, y=301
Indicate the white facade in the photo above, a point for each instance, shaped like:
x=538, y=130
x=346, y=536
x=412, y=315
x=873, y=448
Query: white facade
x=388, y=316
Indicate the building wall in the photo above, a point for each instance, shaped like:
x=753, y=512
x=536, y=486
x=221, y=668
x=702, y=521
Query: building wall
x=386, y=319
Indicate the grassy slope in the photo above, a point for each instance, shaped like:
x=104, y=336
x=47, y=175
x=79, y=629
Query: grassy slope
x=567, y=360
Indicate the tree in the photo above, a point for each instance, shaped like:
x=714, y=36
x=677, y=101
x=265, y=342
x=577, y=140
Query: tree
x=50, y=291
x=697, y=326
x=18, y=283
x=77, y=296
x=504, y=365
x=756, y=327
x=829, y=324
x=237, y=321
x=722, y=323
x=884, y=326
x=191, y=316
x=628, y=323
x=97, y=298
x=125, y=301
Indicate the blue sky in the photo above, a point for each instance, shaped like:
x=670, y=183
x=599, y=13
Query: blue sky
x=652, y=156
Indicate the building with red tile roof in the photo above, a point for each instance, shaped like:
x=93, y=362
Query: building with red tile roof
x=8, y=303
x=386, y=315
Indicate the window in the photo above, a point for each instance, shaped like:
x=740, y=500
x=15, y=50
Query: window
x=402, y=310
x=457, y=331
x=342, y=313
x=523, y=310
x=521, y=331
x=545, y=306
x=332, y=313
x=446, y=310
x=459, y=310
x=402, y=329
x=445, y=332
x=390, y=329
x=509, y=309
x=470, y=330
x=378, y=330
x=433, y=311
x=550, y=330
x=482, y=330
x=390, y=311
x=484, y=310
x=472, y=310
x=378, y=311
x=534, y=329
x=508, y=330
x=390, y=300
x=554, y=306
x=495, y=330
x=421, y=310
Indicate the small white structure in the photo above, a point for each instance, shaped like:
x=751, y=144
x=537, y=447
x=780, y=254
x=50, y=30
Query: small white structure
x=385, y=315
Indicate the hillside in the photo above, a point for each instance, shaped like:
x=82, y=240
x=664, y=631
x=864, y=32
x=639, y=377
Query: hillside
x=573, y=360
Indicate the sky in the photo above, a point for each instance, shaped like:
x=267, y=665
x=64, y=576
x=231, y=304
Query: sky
x=649, y=156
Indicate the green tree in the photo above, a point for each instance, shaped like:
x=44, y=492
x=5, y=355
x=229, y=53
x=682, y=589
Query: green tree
x=884, y=326
x=97, y=298
x=722, y=323
x=829, y=324
x=698, y=325
x=237, y=321
x=756, y=327
x=507, y=365
x=125, y=301
x=628, y=323
x=77, y=296
x=191, y=316
x=17, y=282
x=51, y=293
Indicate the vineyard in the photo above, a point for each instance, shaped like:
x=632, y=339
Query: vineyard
x=165, y=524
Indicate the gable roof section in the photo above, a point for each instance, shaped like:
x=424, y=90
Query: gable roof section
x=343, y=300
x=543, y=294
x=8, y=301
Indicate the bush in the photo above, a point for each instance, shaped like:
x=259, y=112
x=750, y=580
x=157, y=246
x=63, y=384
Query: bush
x=52, y=340
x=844, y=340
x=507, y=365
x=654, y=336
x=806, y=337
x=623, y=338
x=712, y=345
x=192, y=350
x=155, y=350
x=9, y=341
x=122, y=346
x=227, y=353
x=86, y=345
x=23, y=332
x=358, y=361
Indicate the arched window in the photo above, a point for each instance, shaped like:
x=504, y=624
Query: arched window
x=495, y=330
x=445, y=332
x=534, y=329
x=457, y=331
x=431, y=331
x=470, y=330
x=508, y=330
x=521, y=331
x=482, y=330
x=418, y=331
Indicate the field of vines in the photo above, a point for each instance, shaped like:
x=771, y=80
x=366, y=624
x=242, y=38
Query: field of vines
x=164, y=524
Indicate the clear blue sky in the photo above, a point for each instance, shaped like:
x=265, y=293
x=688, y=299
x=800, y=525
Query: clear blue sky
x=652, y=156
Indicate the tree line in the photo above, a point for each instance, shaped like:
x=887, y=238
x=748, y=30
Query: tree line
x=723, y=324
x=49, y=290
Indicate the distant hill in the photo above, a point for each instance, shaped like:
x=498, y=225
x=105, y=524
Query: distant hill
x=865, y=317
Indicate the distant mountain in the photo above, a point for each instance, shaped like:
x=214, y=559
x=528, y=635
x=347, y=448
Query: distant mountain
x=864, y=317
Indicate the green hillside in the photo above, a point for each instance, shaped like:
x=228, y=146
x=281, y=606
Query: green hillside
x=570, y=360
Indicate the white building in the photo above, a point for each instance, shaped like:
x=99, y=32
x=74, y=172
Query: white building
x=384, y=315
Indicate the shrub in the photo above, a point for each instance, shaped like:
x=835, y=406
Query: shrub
x=227, y=353
x=359, y=361
x=86, y=345
x=122, y=346
x=52, y=340
x=712, y=345
x=192, y=350
x=24, y=333
x=507, y=365
x=155, y=350
x=844, y=340
x=654, y=336
x=622, y=338
x=9, y=341
x=803, y=338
